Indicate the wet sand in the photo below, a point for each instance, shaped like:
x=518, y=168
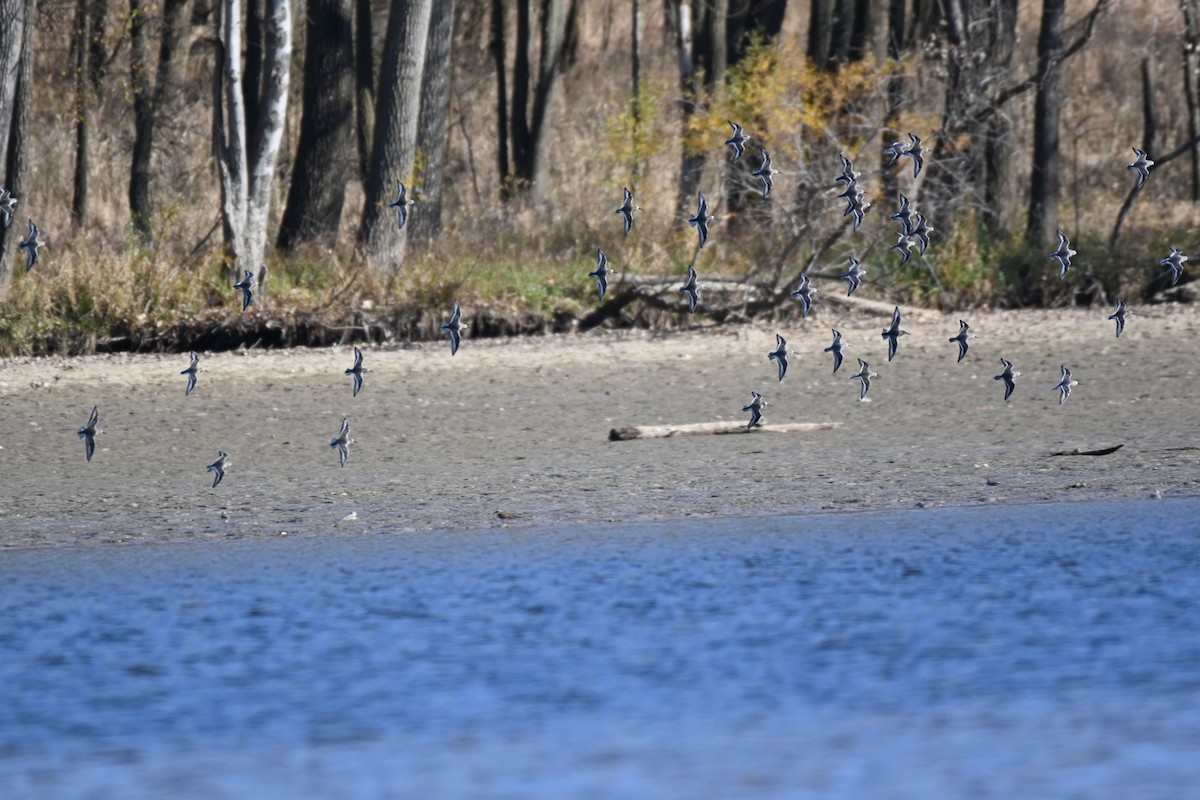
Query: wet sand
x=515, y=432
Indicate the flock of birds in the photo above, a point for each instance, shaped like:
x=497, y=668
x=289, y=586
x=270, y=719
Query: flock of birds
x=914, y=231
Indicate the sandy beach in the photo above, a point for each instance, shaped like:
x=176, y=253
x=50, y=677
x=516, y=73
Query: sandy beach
x=515, y=432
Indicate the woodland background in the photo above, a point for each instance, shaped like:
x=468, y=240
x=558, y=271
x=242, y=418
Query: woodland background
x=164, y=145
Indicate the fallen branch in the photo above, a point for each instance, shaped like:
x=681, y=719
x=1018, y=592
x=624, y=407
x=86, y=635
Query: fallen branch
x=1077, y=452
x=667, y=431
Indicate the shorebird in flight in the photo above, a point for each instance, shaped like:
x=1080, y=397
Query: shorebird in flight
x=88, y=432
x=804, y=294
x=357, y=371
x=854, y=275
x=903, y=246
x=218, y=467
x=700, y=219
x=1142, y=164
x=691, y=289
x=855, y=205
x=626, y=210
x=849, y=174
x=342, y=442
x=780, y=355
x=764, y=173
x=246, y=285
x=905, y=215
x=31, y=244
x=915, y=152
x=1063, y=254
x=836, y=348
x=1064, y=386
x=601, y=272
x=8, y=205
x=864, y=376
x=1119, y=316
x=192, y=371
x=896, y=149
x=755, y=408
x=893, y=333
x=1009, y=377
x=401, y=204
x=921, y=230
x=455, y=328
x=961, y=339
x=1175, y=263
x=737, y=141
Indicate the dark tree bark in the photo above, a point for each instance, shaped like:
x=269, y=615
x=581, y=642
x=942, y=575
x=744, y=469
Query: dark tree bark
x=364, y=85
x=1043, y=188
x=97, y=52
x=684, y=16
x=147, y=101
x=749, y=18
x=1191, y=85
x=318, y=188
x=81, y=51
x=432, y=124
x=820, y=33
x=395, y=146
x=16, y=93
x=252, y=75
x=499, y=58
x=868, y=35
x=531, y=94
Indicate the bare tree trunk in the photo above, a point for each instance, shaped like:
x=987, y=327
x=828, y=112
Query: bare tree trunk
x=763, y=18
x=81, y=50
x=318, y=190
x=692, y=163
x=1043, y=190
x=499, y=58
x=97, y=52
x=147, y=102
x=529, y=154
x=246, y=190
x=16, y=92
x=364, y=85
x=635, y=70
x=820, y=33
x=432, y=123
x=395, y=147
x=1191, y=85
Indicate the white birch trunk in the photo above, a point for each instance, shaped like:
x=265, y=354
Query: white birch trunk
x=246, y=196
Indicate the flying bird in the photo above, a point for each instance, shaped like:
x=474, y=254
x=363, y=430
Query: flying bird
x=903, y=246
x=915, y=152
x=1175, y=263
x=88, y=432
x=626, y=210
x=961, y=339
x=1142, y=165
x=691, y=289
x=849, y=174
x=218, y=467
x=1120, y=315
x=1009, y=377
x=8, y=205
x=863, y=375
x=854, y=275
x=836, y=348
x=755, y=408
x=1063, y=254
x=246, y=285
x=737, y=141
x=1064, y=386
x=357, y=371
x=401, y=204
x=893, y=333
x=895, y=149
x=764, y=173
x=192, y=371
x=342, y=442
x=805, y=295
x=905, y=215
x=31, y=244
x=921, y=230
x=455, y=328
x=700, y=219
x=780, y=355
x=601, y=272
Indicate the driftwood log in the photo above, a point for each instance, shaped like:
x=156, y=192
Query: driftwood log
x=733, y=426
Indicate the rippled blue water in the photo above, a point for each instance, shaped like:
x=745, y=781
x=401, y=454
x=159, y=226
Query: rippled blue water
x=1048, y=651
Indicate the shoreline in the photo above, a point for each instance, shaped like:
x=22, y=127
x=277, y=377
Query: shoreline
x=514, y=432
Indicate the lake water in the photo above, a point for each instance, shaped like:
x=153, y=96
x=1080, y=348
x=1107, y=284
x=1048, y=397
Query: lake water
x=1035, y=651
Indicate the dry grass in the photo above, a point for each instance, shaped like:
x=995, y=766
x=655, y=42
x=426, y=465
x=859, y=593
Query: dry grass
x=535, y=253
